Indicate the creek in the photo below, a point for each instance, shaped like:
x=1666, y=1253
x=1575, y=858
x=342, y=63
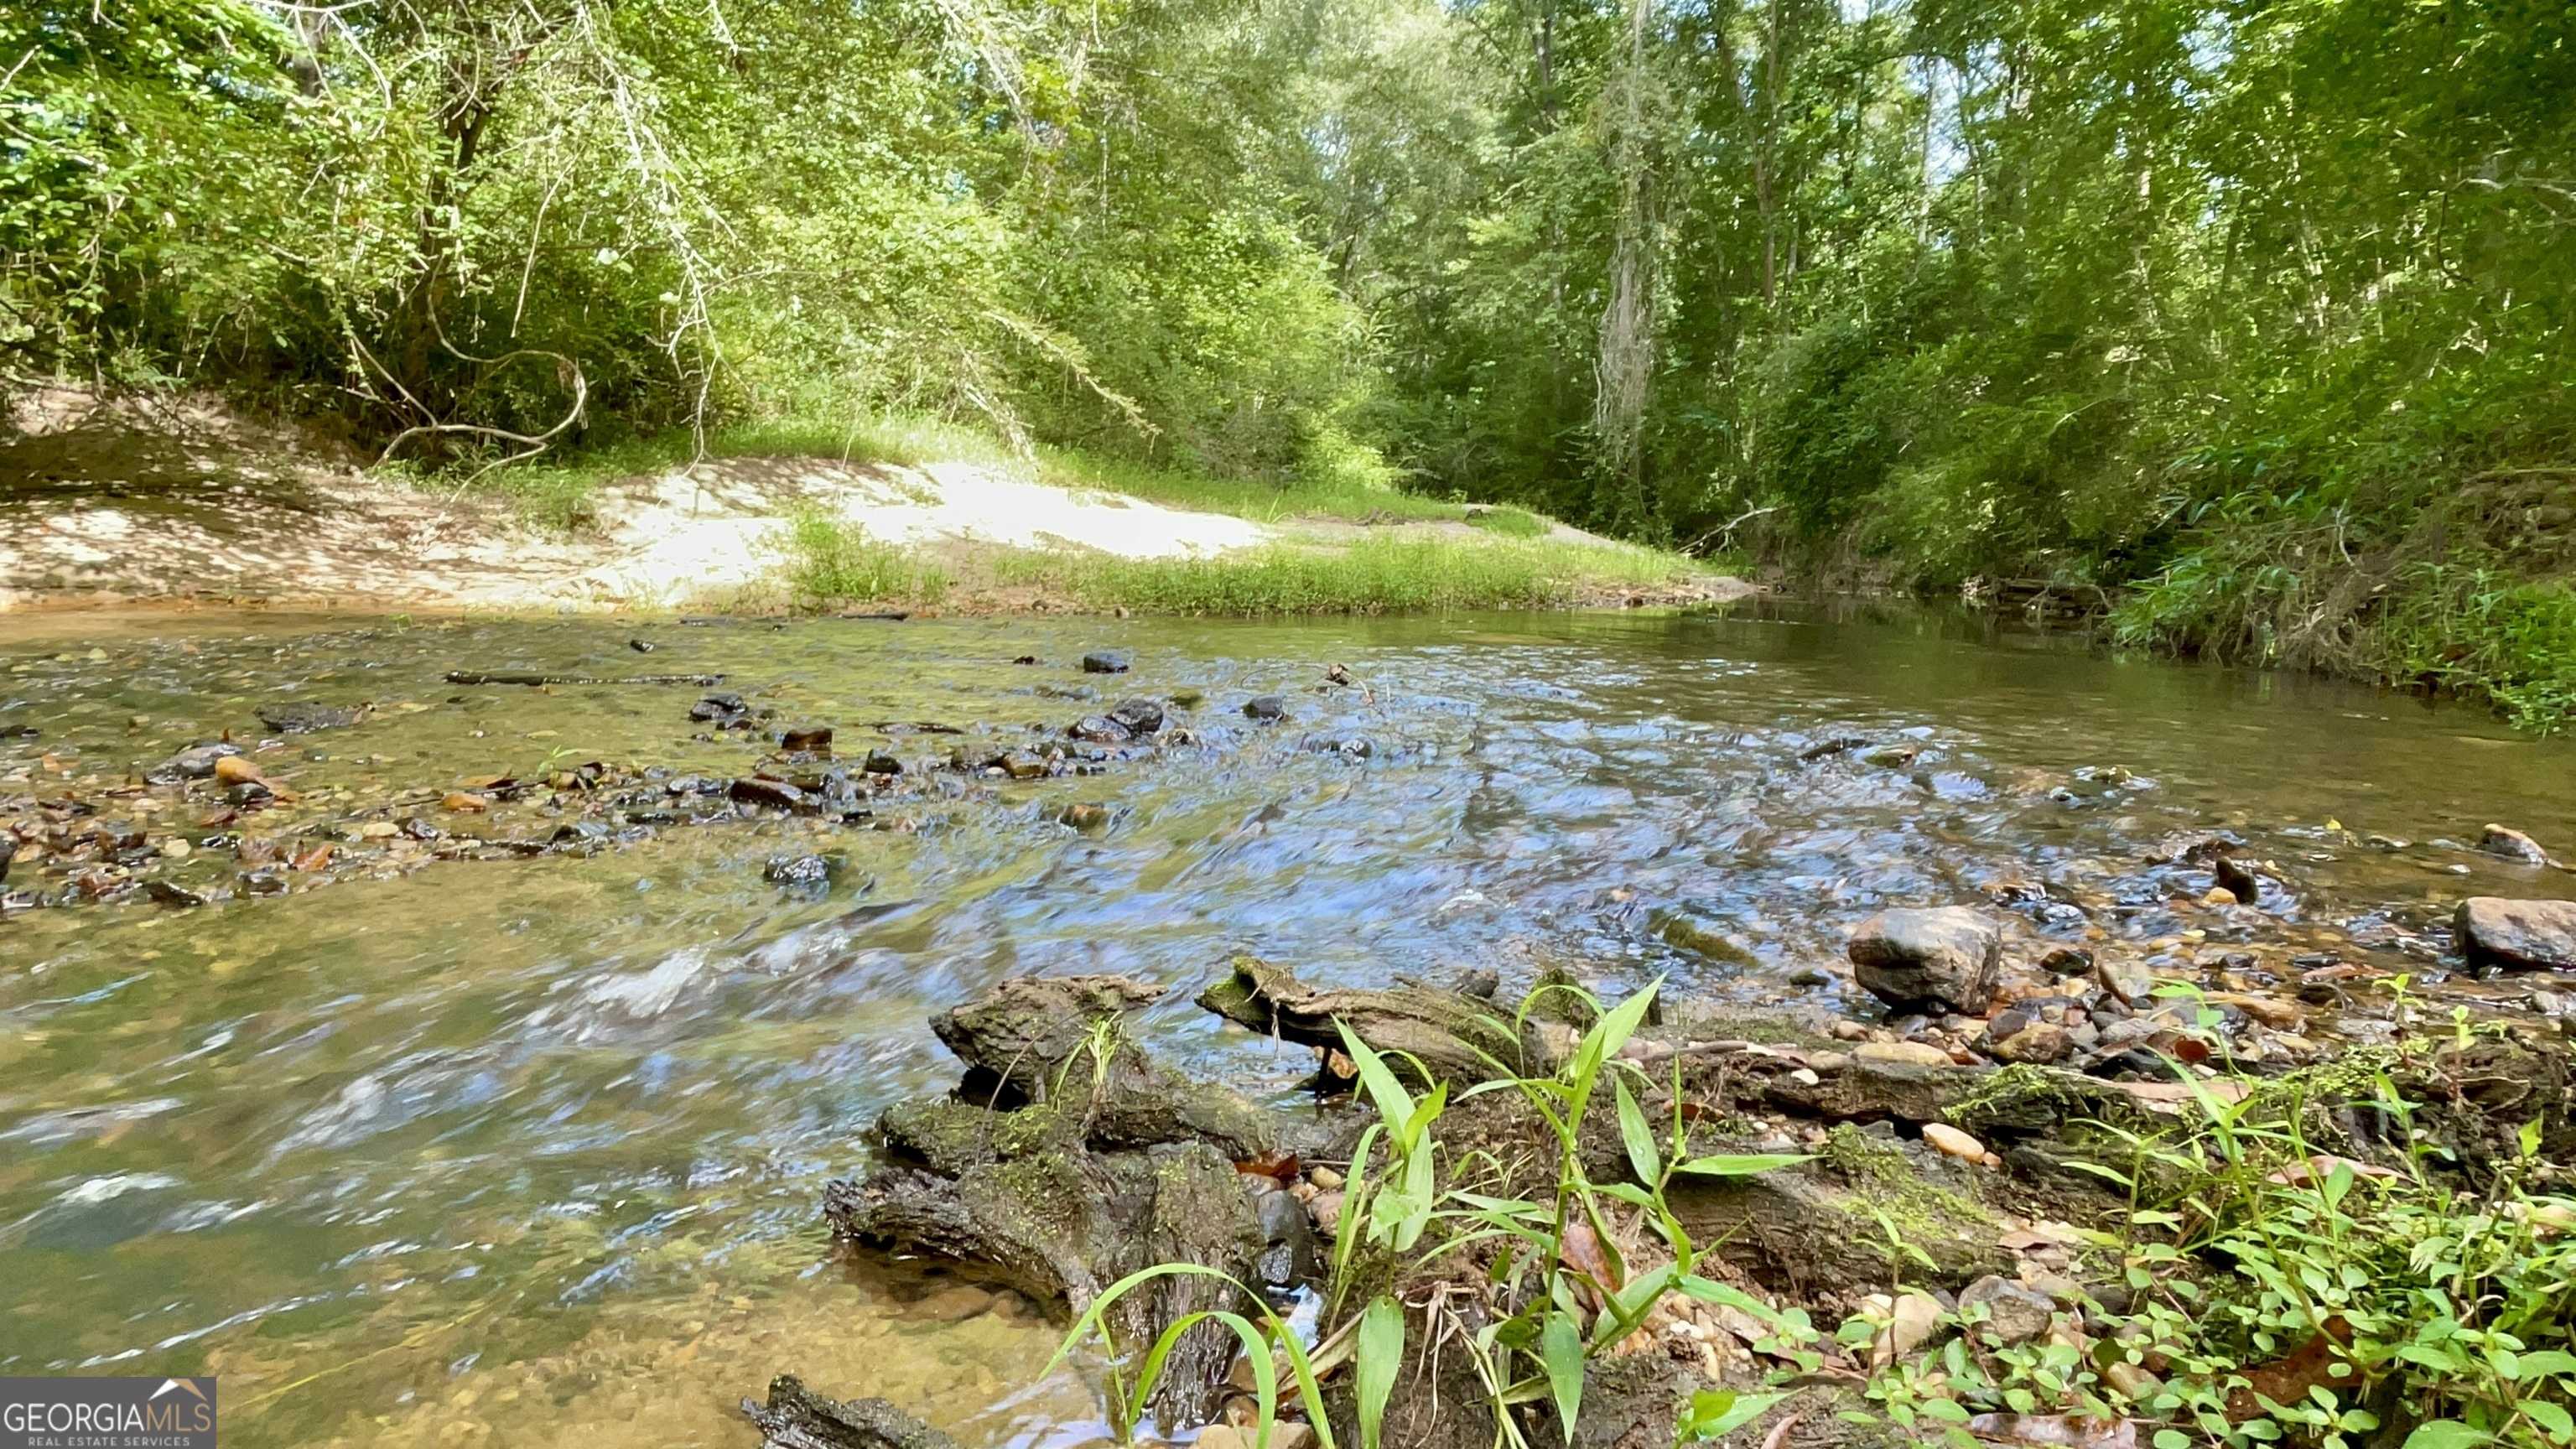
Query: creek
x=438, y=1146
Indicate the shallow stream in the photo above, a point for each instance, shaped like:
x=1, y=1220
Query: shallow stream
x=530, y=1150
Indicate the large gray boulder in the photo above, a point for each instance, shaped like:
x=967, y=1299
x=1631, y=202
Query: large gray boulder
x=1946, y=957
x=2523, y=935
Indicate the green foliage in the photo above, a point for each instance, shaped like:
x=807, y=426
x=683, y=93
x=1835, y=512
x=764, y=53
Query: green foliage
x=2263, y=309
x=1567, y=1296
x=2479, y=631
x=1508, y=522
x=830, y=561
x=1262, y=1339
x=1374, y=575
x=2445, y=1308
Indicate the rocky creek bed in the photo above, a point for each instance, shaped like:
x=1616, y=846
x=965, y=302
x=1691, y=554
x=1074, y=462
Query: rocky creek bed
x=304, y=920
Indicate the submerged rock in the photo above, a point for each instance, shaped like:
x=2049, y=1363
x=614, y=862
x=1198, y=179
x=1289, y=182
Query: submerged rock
x=724, y=711
x=1098, y=729
x=305, y=716
x=197, y=762
x=1947, y=957
x=2521, y=935
x=1838, y=745
x=2512, y=845
x=1266, y=708
x=799, y=872
x=798, y=1418
x=774, y=794
x=1137, y=716
x=1104, y=661
x=2237, y=879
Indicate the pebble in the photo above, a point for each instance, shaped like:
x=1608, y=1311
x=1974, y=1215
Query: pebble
x=1953, y=1142
x=1911, y=1322
x=1848, y=1031
x=2040, y=1042
x=1904, y=1053
x=954, y=1304
x=2015, y=1313
x=1325, y=1178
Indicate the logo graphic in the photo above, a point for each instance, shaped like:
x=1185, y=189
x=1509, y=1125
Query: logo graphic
x=104, y=1413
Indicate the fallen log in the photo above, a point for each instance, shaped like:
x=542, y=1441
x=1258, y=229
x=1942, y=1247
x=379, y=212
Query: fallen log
x=535, y=679
x=1448, y=1033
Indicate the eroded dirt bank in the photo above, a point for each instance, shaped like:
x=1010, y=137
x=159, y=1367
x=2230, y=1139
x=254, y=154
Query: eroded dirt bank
x=184, y=501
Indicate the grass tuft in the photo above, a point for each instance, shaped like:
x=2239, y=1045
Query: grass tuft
x=1372, y=576
x=1508, y=522
x=830, y=562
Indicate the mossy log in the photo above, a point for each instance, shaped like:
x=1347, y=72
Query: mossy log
x=1069, y=1161
x=1449, y=1033
x=1061, y=1040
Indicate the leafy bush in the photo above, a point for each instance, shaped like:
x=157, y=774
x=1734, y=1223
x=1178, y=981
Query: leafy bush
x=2285, y=1295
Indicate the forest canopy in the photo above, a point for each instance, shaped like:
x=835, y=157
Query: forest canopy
x=2256, y=313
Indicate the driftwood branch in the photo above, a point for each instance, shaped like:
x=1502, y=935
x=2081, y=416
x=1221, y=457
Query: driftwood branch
x=1727, y=529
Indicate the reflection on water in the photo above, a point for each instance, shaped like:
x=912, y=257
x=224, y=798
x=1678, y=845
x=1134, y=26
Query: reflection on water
x=533, y=1149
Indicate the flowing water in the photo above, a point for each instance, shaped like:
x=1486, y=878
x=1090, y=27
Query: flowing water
x=530, y=1150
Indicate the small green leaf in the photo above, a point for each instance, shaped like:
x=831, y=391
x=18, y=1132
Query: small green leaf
x=1394, y=1104
x=1561, y=1350
x=1379, y=1356
x=1716, y=1413
x=1640, y=1138
x=2447, y=1434
x=1741, y=1164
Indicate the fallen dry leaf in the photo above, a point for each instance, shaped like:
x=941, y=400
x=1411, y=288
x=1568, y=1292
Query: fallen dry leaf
x=2287, y=1380
x=2040, y=1235
x=2321, y=1165
x=1584, y=1254
x=1279, y=1166
x=314, y=859
x=2170, y=1098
